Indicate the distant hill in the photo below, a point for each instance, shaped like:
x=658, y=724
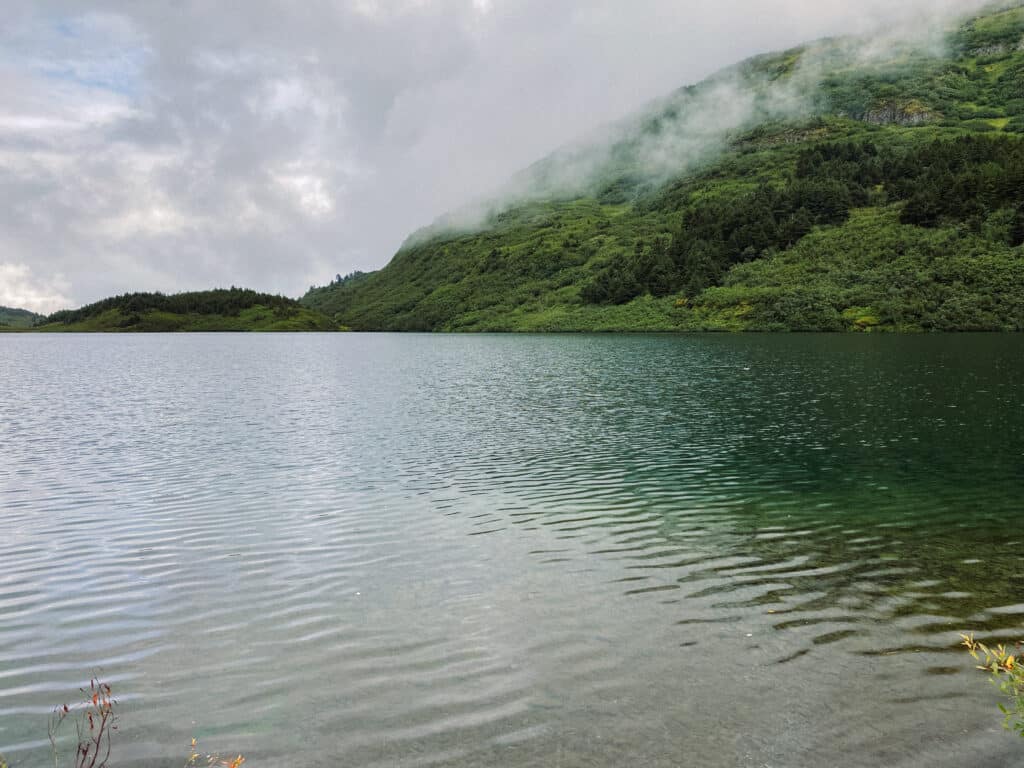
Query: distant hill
x=847, y=184
x=18, y=318
x=233, y=309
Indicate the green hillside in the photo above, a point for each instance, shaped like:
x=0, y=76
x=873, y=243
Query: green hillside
x=849, y=184
x=17, y=318
x=234, y=309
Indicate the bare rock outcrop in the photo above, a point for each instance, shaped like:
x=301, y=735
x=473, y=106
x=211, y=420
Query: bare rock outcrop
x=908, y=113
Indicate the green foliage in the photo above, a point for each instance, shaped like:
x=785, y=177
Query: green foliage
x=229, y=302
x=901, y=276
x=18, y=318
x=992, y=31
x=899, y=205
x=233, y=309
x=647, y=269
x=963, y=180
x=1005, y=672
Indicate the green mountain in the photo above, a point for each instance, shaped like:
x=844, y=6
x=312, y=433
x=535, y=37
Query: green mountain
x=233, y=309
x=848, y=184
x=17, y=318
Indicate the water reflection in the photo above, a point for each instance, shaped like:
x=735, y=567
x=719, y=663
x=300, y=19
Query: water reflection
x=513, y=550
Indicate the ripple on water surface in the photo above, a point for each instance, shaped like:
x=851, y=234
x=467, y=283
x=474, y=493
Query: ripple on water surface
x=418, y=550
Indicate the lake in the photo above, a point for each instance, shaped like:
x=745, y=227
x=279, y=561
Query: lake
x=388, y=550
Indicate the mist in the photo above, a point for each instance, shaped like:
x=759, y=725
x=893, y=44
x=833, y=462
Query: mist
x=676, y=134
x=151, y=148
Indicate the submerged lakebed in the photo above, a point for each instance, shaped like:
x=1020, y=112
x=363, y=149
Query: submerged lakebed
x=380, y=550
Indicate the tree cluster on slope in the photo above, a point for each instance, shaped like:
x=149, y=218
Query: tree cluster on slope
x=976, y=181
x=222, y=301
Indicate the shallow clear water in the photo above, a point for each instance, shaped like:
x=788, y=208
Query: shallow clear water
x=513, y=551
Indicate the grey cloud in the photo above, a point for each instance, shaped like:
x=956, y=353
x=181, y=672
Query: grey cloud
x=158, y=146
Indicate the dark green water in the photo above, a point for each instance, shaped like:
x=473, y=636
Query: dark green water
x=513, y=551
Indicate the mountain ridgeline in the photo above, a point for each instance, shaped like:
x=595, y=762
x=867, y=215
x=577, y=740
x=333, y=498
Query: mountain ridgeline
x=222, y=309
x=18, y=318
x=849, y=184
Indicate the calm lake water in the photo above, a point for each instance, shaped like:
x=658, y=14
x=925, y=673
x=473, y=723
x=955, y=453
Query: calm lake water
x=382, y=550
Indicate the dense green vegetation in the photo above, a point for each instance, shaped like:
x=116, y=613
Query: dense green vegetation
x=1005, y=672
x=861, y=192
x=18, y=318
x=233, y=309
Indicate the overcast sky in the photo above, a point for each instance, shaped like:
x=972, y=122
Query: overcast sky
x=158, y=145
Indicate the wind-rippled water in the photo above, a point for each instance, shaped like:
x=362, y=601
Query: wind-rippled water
x=342, y=550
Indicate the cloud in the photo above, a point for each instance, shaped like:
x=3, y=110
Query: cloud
x=21, y=289
x=154, y=146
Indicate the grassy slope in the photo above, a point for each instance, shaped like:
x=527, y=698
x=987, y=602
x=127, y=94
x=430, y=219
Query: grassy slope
x=525, y=270
x=235, y=309
x=17, y=318
x=255, y=318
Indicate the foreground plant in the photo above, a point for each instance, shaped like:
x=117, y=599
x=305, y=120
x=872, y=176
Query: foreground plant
x=95, y=722
x=196, y=759
x=1006, y=673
